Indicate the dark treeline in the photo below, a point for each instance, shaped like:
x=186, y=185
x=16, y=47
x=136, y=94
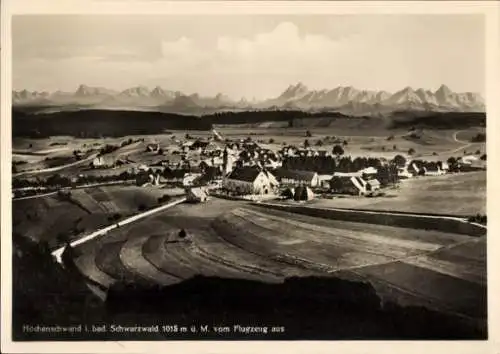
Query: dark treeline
x=247, y=117
x=113, y=123
x=438, y=120
x=330, y=164
x=101, y=123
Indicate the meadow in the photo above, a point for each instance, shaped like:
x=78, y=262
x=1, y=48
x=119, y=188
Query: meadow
x=233, y=239
x=454, y=194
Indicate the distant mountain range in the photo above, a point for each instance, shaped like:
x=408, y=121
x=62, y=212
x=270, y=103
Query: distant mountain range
x=347, y=100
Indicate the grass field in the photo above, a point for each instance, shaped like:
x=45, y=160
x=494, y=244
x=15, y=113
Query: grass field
x=43, y=219
x=232, y=239
x=124, y=199
x=455, y=194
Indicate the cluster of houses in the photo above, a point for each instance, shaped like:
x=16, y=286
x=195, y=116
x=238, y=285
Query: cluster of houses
x=247, y=168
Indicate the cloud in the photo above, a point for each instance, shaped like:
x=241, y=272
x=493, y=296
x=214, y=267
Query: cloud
x=280, y=48
x=276, y=58
x=373, y=54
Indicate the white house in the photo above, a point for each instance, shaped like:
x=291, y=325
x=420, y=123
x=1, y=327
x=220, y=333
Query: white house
x=404, y=173
x=296, y=177
x=433, y=171
x=103, y=162
x=196, y=195
x=370, y=171
x=189, y=178
x=250, y=180
x=147, y=178
x=468, y=160
x=154, y=147
x=348, y=185
x=324, y=180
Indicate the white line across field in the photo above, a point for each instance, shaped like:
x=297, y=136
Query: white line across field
x=57, y=168
x=58, y=253
x=35, y=196
x=76, y=163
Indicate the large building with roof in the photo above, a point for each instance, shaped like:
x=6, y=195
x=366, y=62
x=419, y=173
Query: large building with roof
x=250, y=180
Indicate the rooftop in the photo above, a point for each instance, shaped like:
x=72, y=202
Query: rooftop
x=246, y=173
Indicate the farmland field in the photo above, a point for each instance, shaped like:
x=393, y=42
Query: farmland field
x=48, y=217
x=232, y=239
x=43, y=219
x=455, y=194
x=376, y=142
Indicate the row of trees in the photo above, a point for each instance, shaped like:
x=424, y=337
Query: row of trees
x=329, y=164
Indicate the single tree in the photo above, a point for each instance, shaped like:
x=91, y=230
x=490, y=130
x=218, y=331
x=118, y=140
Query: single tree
x=451, y=160
x=287, y=193
x=338, y=150
x=306, y=143
x=411, y=151
x=308, y=134
x=399, y=160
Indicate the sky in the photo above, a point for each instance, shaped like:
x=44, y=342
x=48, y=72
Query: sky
x=251, y=56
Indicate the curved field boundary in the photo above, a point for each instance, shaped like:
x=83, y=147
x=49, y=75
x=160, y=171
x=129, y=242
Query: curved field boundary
x=241, y=267
x=305, y=263
x=96, y=287
x=155, y=252
x=108, y=261
x=421, y=257
x=213, y=244
x=444, y=224
x=132, y=258
x=392, y=246
x=224, y=228
x=87, y=266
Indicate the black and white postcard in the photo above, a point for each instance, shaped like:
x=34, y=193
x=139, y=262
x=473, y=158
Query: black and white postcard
x=177, y=173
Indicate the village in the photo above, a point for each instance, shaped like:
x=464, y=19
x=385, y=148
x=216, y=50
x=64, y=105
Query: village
x=245, y=169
